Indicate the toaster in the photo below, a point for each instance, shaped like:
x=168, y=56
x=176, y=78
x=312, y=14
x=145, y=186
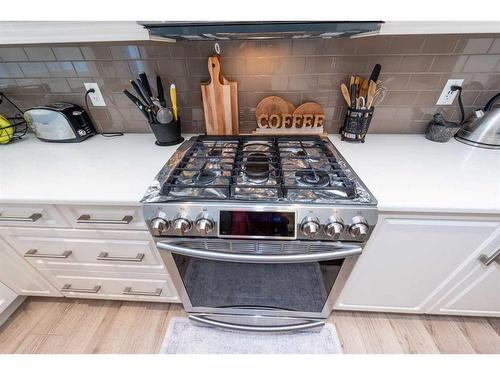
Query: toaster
x=60, y=122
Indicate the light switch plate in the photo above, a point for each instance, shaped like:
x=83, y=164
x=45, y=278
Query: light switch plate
x=447, y=96
x=95, y=97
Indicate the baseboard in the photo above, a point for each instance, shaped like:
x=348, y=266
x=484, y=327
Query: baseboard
x=10, y=309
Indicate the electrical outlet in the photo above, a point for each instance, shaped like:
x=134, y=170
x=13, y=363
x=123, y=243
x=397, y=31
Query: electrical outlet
x=447, y=96
x=95, y=97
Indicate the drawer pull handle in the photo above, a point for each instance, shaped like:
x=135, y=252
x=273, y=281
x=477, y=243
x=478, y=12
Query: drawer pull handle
x=487, y=260
x=32, y=218
x=105, y=256
x=68, y=288
x=129, y=292
x=33, y=253
x=85, y=219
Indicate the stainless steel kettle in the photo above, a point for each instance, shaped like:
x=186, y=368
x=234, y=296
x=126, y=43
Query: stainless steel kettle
x=482, y=129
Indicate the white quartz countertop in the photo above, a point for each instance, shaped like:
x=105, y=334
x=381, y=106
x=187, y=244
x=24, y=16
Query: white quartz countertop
x=404, y=172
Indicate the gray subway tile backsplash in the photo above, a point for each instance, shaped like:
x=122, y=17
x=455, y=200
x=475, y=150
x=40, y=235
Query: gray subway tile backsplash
x=414, y=70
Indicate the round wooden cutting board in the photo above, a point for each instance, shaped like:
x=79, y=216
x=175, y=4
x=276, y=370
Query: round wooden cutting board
x=271, y=105
x=309, y=108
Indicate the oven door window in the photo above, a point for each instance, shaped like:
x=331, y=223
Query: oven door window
x=291, y=286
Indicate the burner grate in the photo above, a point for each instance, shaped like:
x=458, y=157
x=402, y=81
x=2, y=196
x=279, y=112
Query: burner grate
x=257, y=168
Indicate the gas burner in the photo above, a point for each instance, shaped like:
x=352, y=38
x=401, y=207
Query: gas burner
x=257, y=146
x=257, y=167
x=303, y=154
x=204, y=177
x=312, y=178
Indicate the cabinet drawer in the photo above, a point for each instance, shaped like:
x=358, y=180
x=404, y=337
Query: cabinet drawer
x=104, y=217
x=108, y=285
x=104, y=250
x=33, y=215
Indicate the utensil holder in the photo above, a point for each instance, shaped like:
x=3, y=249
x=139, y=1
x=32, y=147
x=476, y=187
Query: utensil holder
x=167, y=134
x=356, y=124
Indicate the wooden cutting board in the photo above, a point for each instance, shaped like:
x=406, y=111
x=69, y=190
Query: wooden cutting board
x=220, y=101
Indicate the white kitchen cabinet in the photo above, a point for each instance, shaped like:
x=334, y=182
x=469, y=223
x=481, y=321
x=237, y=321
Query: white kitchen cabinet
x=104, y=217
x=7, y=296
x=476, y=289
x=20, y=276
x=83, y=249
x=31, y=215
x=438, y=27
x=112, y=285
x=409, y=260
x=31, y=32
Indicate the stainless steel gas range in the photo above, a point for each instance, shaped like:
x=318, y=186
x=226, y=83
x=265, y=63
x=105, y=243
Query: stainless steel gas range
x=259, y=233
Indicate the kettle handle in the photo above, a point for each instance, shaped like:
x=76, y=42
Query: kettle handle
x=492, y=101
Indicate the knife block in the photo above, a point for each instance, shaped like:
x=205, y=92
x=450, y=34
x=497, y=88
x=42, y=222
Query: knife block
x=167, y=134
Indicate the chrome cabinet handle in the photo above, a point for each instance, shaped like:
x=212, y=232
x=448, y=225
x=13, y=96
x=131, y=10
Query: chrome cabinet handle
x=338, y=253
x=68, y=288
x=32, y=218
x=129, y=292
x=487, y=260
x=33, y=253
x=244, y=327
x=85, y=219
x=105, y=256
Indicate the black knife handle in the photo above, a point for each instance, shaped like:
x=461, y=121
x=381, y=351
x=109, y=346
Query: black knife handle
x=145, y=95
x=137, y=102
x=375, y=73
x=144, y=79
x=138, y=91
x=161, y=94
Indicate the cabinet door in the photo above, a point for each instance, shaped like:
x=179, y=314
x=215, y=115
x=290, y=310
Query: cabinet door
x=476, y=293
x=19, y=276
x=6, y=297
x=408, y=260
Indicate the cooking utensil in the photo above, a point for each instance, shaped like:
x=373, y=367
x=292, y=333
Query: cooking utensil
x=345, y=93
x=138, y=92
x=370, y=94
x=144, y=80
x=145, y=95
x=173, y=100
x=217, y=106
x=375, y=73
x=353, y=95
x=271, y=105
x=164, y=115
x=137, y=102
x=233, y=86
x=161, y=93
x=482, y=128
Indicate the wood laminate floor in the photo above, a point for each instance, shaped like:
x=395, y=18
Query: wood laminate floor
x=48, y=325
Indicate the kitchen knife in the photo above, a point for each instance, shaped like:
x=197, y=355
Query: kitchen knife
x=145, y=95
x=159, y=89
x=144, y=79
x=137, y=102
x=139, y=92
x=375, y=73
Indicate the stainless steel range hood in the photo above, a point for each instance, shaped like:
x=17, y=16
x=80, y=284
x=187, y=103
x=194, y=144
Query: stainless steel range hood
x=259, y=29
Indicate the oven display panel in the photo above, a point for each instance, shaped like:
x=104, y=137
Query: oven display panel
x=257, y=224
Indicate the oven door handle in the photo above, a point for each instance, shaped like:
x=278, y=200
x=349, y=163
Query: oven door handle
x=338, y=252
x=249, y=328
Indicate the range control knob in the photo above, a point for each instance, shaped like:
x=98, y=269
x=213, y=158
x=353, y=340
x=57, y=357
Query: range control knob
x=182, y=225
x=359, y=227
x=334, y=227
x=310, y=226
x=159, y=226
x=204, y=224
